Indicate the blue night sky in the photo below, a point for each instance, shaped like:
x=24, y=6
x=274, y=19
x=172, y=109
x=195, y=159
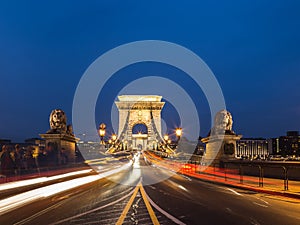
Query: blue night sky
x=252, y=47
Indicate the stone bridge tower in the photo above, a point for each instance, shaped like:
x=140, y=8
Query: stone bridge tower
x=140, y=109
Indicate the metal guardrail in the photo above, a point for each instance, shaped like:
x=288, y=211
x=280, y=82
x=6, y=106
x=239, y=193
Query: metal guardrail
x=261, y=169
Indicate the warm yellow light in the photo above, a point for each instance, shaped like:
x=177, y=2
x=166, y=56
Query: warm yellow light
x=102, y=128
x=109, y=141
x=178, y=132
x=102, y=133
x=169, y=141
x=166, y=137
x=114, y=137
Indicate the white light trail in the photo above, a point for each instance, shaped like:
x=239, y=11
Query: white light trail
x=23, y=183
x=22, y=199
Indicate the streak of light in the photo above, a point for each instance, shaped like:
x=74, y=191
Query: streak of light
x=210, y=173
x=136, y=172
x=23, y=183
x=96, y=209
x=22, y=199
x=136, y=161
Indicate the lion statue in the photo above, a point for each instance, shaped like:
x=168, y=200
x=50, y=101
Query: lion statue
x=223, y=122
x=58, y=120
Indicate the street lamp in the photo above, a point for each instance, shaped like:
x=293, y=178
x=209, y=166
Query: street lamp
x=114, y=138
x=102, y=132
x=178, y=133
x=166, y=137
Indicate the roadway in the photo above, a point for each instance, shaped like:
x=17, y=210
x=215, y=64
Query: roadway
x=177, y=199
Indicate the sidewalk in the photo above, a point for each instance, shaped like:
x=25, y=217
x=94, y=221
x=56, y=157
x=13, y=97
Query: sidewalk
x=270, y=185
x=231, y=178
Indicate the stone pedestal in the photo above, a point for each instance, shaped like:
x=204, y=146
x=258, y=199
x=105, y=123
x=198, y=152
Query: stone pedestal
x=64, y=143
x=219, y=148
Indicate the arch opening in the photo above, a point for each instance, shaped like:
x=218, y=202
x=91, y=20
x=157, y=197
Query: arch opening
x=140, y=128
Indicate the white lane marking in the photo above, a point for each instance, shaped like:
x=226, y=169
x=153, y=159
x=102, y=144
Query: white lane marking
x=265, y=206
x=38, y=214
x=178, y=185
x=154, y=188
x=189, y=179
x=174, y=219
x=182, y=188
x=228, y=209
x=263, y=201
x=233, y=191
x=253, y=221
x=93, y=210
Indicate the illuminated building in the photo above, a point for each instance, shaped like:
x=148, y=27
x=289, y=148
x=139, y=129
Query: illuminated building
x=288, y=145
x=252, y=148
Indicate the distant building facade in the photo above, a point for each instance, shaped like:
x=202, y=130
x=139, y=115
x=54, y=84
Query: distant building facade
x=252, y=148
x=288, y=145
x=37, y=144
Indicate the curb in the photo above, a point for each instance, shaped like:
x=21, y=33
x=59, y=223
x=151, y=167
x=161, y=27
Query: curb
x=273, y=192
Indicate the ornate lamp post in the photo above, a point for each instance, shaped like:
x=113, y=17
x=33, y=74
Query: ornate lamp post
x=102, y=132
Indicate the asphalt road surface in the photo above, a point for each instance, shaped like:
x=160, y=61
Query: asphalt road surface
x=174, y=199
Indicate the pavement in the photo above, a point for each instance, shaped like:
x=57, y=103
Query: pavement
x=178, y=198
x=270, y=185
x=229, y=178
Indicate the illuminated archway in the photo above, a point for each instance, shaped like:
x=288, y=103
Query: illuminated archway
x=140, y=119
x=140, y=128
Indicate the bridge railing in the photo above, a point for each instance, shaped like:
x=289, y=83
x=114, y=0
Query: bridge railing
x=267, y=173
x=282, y=176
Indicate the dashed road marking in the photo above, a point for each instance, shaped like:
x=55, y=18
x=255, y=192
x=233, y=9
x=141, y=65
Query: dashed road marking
x=265, y=206
x=235, y=192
